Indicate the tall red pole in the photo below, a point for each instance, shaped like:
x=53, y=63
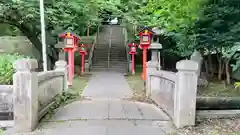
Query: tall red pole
x=70, y=69
x=133, y=64
x=82, y=63
x=72, y=53
x=144, y=63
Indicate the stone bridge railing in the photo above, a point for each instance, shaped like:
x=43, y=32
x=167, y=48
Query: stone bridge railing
x=34, y=92
x=6, y=105
x=175, y=93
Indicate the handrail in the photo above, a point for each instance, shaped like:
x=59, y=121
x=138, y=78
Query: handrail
x=109, y=45
x=92, y=50
x=126, y=46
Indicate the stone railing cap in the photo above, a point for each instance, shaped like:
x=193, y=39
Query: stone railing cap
x=25, y=64
x=187, y=65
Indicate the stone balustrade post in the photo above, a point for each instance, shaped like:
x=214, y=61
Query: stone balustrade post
x=151, y=67
x=25, y=95
x=185, y=94
x=61, y=65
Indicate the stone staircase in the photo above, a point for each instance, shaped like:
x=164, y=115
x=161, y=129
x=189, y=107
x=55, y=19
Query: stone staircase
x=110, y=53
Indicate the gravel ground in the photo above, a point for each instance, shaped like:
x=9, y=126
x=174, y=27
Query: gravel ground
x=213, y=127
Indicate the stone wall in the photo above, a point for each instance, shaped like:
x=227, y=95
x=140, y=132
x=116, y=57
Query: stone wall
x=19, y=44
x=175, y=93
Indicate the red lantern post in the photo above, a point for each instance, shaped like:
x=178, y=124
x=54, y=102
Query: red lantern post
x=133, y=51
x=82, y=52
x=145, y=41
x=70, y=46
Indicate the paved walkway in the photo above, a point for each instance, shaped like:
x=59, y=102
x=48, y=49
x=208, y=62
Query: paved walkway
x=106, y=113
x=107, y=85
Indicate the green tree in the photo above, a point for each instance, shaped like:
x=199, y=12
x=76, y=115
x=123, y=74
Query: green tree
x=60, y=15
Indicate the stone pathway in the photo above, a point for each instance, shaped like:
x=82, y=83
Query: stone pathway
x=107, y=85
x=106, y=113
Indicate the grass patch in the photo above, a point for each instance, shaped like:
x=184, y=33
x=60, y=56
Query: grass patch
x=137, y=86
x=217, y=88
x=79, y=83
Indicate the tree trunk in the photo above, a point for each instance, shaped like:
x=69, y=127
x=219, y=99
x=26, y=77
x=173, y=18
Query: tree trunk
x=88, y=30
x=211, y=70
x=220, y=71
x=220, y=66
x=206, y=68
x=32, y=36
x=228, y=78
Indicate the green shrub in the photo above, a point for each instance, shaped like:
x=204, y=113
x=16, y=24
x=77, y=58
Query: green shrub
x=6, y=67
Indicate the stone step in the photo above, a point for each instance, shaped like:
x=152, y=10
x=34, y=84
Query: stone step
x=98, y=54
x=117, y=50
x=123, y=55
x=117, y=46
x=110, y=63
x=100, y=57
x=101, y=49
x=110, y=58
x=108, y=70
x=111, y=68
x=118, y=54
x=114, y=63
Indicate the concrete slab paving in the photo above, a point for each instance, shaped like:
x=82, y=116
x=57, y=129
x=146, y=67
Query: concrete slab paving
x=83, y=110
x=116, y=110
x=135, y=131
x=152, y=112
x=107, y=85
x=131, y=110
x=109, y=109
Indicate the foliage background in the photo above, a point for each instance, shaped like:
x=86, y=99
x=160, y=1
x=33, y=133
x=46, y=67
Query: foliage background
x=211, y=26
x=6, y=67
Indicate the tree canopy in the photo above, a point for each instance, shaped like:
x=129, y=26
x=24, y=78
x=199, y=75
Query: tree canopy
x=60, y=15
x=207, y=25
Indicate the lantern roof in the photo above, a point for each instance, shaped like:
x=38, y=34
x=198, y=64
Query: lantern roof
x=68, y=33
x=146, y=29
x=155, y=45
